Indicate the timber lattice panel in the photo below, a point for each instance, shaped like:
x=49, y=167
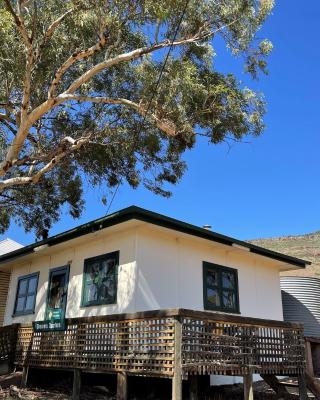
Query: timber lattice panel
x=8, y=340
x=210, y=347
x=143, y=347
x=146, y=345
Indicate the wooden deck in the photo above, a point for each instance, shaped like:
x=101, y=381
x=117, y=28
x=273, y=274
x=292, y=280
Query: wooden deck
x=172, y=344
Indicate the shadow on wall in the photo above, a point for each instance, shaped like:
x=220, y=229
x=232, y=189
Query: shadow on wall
x=295, y=311
x=125, y=294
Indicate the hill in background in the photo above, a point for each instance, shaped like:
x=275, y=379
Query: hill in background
x=305, y=246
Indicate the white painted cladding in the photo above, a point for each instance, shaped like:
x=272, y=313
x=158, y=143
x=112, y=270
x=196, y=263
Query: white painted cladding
x=159, y=268
x=170, y=274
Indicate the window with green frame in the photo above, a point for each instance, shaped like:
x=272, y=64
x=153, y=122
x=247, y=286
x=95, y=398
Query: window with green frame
x=100, y=280
x=26, y=294
x=220, y=288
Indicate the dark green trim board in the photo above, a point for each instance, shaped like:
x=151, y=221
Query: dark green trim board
x=97, y=260
x=27, y=294
x=219, y=270
x=140, y=214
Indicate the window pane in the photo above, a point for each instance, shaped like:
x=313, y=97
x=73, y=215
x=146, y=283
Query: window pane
x=92, y=276
x=26, y=294
x=56, y=290
x=107, y=287
x=20, y=304
x=30, y=303
x=229, y=299
x=32, y=284
x=107, y=290
x=220, y=287
x=92, y=293
x=213, y=297
x=93, y=281
x=228, y=280
x=108, y=266
x=23, y=283
x=100, y=281
x=212, y=278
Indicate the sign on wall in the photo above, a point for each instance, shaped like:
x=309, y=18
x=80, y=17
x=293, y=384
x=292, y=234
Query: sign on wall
x=46, y=326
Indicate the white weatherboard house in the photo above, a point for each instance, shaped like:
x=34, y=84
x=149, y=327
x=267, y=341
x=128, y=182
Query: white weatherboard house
x=145, y=262
x=135, y=261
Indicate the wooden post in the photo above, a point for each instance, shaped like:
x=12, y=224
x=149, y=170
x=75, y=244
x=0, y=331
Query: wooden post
x=76, y=384
x=248, y=386
x=122, y=386
x=177, y=370
x=313, y=385
x=24, y=378
x=274, y=383
x=309, y=361
x=193, y=387
x=14, y=340
x=303, y=392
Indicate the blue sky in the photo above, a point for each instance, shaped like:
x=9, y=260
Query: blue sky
x=269, y=186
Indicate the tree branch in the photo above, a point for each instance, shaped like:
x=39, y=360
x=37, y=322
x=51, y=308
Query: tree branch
x=6, y=117
x=6, y=124
x=24, y=180
x=50, y=31
x=19, y=23
x=51, y=102
x=164, y=125
x=74, y=58
x=130, y=56
x=7, y=107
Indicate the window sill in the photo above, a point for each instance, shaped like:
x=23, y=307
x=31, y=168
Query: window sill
x=22, y=314
x=222, y=311
x=97, y=304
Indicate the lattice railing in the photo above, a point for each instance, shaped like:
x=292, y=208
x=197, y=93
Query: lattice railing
x=137, y=346
x=146, y=344
x=212, y=346
x=8, y=340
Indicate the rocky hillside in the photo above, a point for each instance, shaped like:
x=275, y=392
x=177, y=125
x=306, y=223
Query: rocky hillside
x=306, y=247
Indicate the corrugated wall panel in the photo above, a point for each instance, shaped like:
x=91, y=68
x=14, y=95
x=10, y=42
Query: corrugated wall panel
x=4, y=287
x=301, y=302
x=8, y=245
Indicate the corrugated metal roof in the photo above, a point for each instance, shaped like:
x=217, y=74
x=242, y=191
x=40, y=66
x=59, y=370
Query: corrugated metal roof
x=301, y=302
x=8, y=245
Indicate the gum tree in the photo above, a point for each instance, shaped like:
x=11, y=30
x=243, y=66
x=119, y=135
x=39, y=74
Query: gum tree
x=79, y=101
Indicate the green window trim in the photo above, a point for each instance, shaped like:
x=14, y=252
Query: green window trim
x=26, y=294
x=219, y=289
x=98, y=284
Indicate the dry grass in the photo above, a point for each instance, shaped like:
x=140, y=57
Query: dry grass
x=306, y=247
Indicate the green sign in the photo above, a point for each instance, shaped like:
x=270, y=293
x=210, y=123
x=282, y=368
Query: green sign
x=54, y=314
x=49, y=325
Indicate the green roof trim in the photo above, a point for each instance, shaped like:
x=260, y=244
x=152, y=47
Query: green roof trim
x=140, y=214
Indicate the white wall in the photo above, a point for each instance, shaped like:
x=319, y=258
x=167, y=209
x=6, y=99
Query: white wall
x=170, y=274
x=75, y=256
x=158, y=269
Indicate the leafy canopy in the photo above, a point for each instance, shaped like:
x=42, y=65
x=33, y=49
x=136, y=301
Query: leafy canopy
x=79, y=101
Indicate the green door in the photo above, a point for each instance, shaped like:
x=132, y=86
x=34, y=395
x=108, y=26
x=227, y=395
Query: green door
x=57, y=294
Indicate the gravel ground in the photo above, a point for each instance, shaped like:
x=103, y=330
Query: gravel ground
x=59, y=388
